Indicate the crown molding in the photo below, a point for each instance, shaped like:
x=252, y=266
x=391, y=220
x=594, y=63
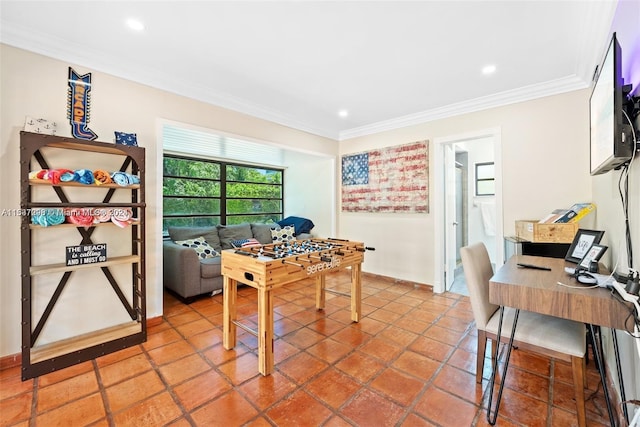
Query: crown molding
x=75, y=53
x=527, y=93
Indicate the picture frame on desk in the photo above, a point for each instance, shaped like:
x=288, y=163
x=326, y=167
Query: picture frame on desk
x=593, y=255
x=581, y=244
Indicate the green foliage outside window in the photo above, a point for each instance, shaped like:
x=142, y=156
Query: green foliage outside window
x=195, y=195
x=191, y=187
x=239, y=189
x=191, y=167
x=249, y=174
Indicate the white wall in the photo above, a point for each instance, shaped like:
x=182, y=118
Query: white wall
x=36, y=86
x=310, y=190
x=545, y=157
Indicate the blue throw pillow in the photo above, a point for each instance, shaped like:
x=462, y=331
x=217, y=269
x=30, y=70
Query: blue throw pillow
x=129, y=139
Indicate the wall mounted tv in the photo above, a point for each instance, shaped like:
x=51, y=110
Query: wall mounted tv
x=611, y=139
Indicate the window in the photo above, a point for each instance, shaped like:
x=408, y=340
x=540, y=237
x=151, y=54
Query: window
x=485, y=179
x=200, y=192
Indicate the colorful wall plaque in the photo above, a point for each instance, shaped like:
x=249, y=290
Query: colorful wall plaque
x=78, y=105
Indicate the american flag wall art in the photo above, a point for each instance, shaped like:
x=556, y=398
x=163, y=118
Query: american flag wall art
x=392, y=179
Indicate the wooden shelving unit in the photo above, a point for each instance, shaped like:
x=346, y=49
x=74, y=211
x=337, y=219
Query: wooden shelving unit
x=40, y=359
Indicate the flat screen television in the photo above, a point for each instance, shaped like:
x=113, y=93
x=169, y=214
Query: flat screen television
x=611, y=140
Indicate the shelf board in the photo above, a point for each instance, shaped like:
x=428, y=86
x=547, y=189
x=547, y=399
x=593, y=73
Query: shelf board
x=36, y=181
x=81, y=205
x=61, y=268
x=93, y=146
x=68, y=225
x=80, y=144
x=80, y=342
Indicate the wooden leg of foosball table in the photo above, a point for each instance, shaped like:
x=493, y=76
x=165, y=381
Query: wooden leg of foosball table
x=320, y=287
x=229, y=314
x=265, y=331
x=356, y=293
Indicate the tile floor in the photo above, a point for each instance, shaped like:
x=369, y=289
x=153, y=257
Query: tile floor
x=409, y=362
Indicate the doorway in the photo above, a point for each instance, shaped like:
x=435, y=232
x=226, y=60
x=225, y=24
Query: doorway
x=461, y=223
x=466, y=212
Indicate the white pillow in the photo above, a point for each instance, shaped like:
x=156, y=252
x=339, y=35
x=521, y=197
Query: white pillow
x=200, y=245
x=284, y=234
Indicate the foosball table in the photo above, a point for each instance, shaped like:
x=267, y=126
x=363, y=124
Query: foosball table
x=268, y=267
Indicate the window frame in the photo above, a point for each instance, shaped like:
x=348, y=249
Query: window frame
x=222, y=215
x=479, y=180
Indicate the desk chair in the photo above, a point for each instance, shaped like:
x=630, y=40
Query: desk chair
x=542, y=334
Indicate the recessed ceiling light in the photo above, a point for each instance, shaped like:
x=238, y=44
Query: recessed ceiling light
x=135, y=25
x=488, y=69
x=343, y=113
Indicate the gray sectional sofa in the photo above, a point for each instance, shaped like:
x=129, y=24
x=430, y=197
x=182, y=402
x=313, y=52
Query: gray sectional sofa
x=188, y=275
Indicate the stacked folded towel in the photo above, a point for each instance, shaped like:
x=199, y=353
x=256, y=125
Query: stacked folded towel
x=47, y=217
x=80, y=216
x=85, y=176
x=124, y=179
x=122, y=217
x=87, y=217
x=83, y=217
x=102, y=177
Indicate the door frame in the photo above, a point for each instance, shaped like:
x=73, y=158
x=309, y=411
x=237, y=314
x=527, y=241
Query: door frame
x=439, y=249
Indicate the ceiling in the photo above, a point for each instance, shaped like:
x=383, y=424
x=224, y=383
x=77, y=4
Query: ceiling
x=298, y=63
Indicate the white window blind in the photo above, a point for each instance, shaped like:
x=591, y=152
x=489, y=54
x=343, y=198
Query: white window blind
x=217, y=146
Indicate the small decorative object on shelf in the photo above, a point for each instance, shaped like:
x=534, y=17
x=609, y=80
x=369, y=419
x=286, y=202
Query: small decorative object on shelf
x=43, y=126
x=78, y=105
x=86, y=254
x=129, y=139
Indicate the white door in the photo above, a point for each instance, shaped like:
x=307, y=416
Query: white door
x=451, y=223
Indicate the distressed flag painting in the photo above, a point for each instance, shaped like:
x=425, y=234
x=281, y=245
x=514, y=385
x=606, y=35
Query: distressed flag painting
x=392, y=179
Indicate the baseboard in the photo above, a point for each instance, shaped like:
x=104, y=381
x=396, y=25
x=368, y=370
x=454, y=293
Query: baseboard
x=10, y=361
x=154, y=321
x=13, y=360
x=396, y=281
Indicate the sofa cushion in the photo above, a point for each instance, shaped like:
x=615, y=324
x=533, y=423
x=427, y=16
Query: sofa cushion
x=302, y=225
x=210, y=234
x=283, y=234
x=210, y=267
x=200, y=245
x=262, y=232
x=228, y=233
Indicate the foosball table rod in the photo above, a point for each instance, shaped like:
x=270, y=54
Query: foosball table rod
x=284, y=261
x=333, y=291
x=245, y=327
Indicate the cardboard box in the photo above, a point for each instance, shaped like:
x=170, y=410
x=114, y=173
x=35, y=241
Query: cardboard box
x=533, y=231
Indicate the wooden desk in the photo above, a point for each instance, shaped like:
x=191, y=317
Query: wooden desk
x=266, y=273
x=538, y=291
